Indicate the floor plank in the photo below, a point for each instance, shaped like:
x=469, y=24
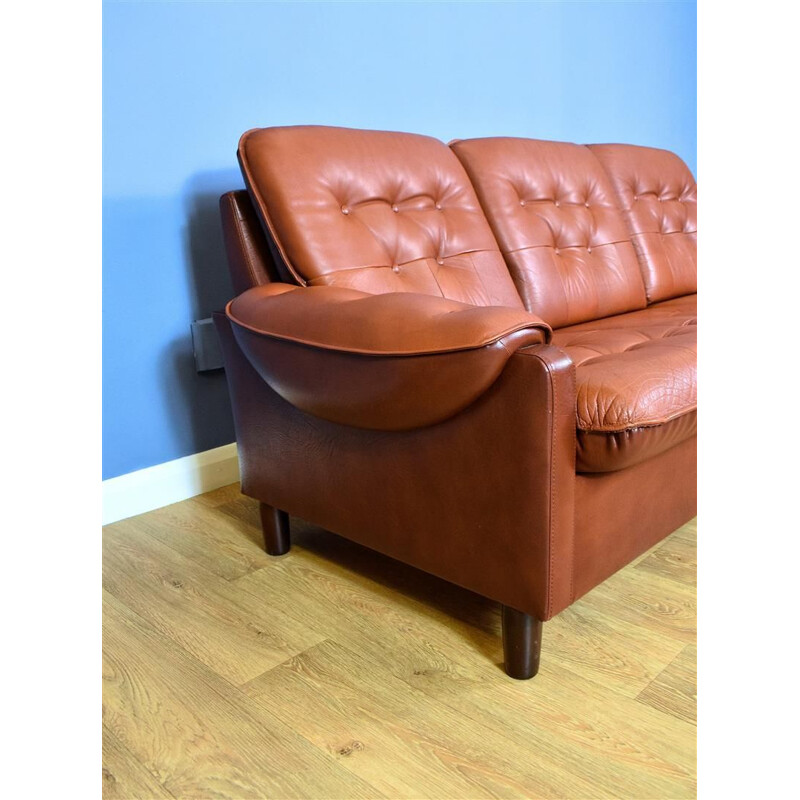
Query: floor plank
x=675, y=558
x=675, y=689
x=206, y=535
x=198, y=734
x=639, y=597
x=580, y=721
x=397, y=738
x=124, y=777
x=232, y=632
x=382, y=680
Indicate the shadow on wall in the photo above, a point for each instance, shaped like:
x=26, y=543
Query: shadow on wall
x=198, y=403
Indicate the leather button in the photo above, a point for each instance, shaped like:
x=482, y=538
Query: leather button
x=395, y=268
x=586, y=204
x=588, y=249
x=395, y=209
x=522, y=202
x=558, y=203
x=440, y=261
x=438, y=206
x=345, y=210
x=558, y=252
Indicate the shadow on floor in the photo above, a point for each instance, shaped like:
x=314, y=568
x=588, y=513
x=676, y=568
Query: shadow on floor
x=410, y=586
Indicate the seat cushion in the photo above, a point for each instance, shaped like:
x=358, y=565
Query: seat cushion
x=636, y=383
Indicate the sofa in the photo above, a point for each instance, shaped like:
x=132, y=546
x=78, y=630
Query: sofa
x=476, y=358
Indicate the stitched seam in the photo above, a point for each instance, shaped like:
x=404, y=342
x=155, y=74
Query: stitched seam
x=549, y=604
x=633, y=423
x=568, y=247
x=574, y=383
x=435, y=279
x=421, y=259
x=553, y=492
x=497, y=338
x=551, y=526
x=477, y=272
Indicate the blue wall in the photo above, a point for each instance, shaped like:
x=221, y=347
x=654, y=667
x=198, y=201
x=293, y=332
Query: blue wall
x=182, y=81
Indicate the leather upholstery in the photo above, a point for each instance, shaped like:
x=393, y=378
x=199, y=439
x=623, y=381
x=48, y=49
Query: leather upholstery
x=554, y=213
x=245, y=243
x=483, y=499
x=677, y=312
x=608, y=451
x=621, y=514
x=469, y=441
x=389, y=362
x=374, y=211
x=629, y=377
x=658, y=195
x=637, y=383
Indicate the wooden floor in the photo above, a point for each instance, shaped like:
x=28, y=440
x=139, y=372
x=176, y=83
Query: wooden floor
x=334, y=672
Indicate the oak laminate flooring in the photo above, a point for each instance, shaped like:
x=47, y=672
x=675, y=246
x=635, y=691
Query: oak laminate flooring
x=400, y=739
x=338, y=588
x=198, y=734
x=603, y=733
x=390, y=675
x=675, y=689
x=676, y=558
x=124, y=777
x=232, y=632
x=638, y=597
x=211, y=539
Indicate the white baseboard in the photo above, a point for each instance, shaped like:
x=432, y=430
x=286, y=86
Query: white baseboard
x=167, y=483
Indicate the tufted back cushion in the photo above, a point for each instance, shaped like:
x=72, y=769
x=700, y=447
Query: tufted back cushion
x=374, y=211
x=658, y=195
x=553, y=211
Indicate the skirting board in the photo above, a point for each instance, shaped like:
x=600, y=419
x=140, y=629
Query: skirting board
x=168, y=483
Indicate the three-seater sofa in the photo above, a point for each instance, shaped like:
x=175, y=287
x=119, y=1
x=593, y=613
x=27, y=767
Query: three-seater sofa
x=479, y=359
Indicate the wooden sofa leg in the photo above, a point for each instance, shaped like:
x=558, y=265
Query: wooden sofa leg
x=275, y=524
x=522, y=642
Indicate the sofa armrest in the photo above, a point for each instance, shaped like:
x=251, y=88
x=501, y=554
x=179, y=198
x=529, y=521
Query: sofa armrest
x=387, y=362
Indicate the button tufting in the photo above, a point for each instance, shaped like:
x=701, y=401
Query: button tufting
x=522, y=202
x=395, y=268
x=558, y=203
x=438, y=206
x=440, y=261
x=345, y=210
x=588, y=249
x=558, y=252
x=395, y=209
x=586, y=204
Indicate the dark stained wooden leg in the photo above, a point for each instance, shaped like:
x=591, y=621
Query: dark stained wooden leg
x=275, y=524
x=522, y=642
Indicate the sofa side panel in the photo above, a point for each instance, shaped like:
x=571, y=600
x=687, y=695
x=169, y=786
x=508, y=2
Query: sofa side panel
x=484, y=499
x=620, y=515
x=249, y=258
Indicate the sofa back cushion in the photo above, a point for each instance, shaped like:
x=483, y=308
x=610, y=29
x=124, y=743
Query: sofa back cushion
x=374, y=211
x=658, y=195
x=553, y=211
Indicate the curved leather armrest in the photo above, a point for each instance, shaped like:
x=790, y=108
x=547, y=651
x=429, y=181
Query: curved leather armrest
x=387, y=362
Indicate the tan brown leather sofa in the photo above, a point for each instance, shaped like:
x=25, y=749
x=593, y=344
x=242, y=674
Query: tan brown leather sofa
x=479, y=359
